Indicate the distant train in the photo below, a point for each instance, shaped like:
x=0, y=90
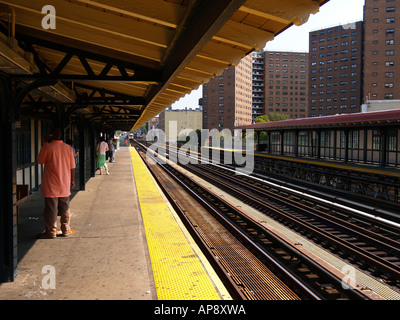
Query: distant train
x=131, y=137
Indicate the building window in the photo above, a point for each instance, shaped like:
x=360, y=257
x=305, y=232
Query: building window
x=392, y=143
x=376, y=140
x=342, y=139
x=389, y=96
x=354, y=139
x=389, y=31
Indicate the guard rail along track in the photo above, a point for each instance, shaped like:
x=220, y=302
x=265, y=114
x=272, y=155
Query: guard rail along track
x=269, y=260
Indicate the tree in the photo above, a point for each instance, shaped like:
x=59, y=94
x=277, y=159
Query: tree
x=278, y=116
x=263, y=118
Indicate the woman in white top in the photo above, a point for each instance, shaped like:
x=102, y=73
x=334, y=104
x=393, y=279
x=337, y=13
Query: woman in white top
x=102, y=148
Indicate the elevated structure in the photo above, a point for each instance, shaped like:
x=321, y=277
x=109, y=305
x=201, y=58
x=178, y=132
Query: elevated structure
x=357, y=152
x=121, y=63
x=91, y=66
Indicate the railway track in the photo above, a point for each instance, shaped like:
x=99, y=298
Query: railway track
x=377, y=253
x=268, y=268
x=224, y=250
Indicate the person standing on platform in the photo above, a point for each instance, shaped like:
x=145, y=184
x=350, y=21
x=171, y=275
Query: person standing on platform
x=57, y=182
x=102, y=148
x=111, y=149
x=71, y=143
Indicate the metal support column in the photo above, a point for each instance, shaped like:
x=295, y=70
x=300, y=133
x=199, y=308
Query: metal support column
x=36, y=150
x=346, y=145
x=82, y=155
x=318, y=153
x=93, y=140
x=8, y=216
x=60, y=121
x=296, y=143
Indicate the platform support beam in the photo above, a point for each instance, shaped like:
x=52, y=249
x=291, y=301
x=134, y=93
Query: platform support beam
x=8, y=217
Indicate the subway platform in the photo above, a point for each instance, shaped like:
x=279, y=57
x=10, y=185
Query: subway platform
x=119, y=250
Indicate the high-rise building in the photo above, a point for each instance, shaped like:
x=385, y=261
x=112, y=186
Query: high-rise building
x=280, y=83
x=286, y=83
x=382, y=53
x=336, y=70
x=227, y=99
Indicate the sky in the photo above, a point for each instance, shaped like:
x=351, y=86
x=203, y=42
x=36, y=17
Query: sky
x=333, y=13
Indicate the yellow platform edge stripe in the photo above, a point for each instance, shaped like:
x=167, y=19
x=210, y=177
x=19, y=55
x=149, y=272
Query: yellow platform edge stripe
x=321, y=163
x=313, y=162
x=180, y=270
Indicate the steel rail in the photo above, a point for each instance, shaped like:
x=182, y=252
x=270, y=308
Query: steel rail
x=304, y=290
x=326, y=273
x=387, y=225
x=372, y=236
x=254, y=224
x=375, y=215
x=361, y=253
x=246, y=239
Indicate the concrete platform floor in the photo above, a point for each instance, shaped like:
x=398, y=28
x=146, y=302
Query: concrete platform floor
x=106, y=258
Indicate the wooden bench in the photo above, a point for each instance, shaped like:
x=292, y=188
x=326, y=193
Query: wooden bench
x=22, y=195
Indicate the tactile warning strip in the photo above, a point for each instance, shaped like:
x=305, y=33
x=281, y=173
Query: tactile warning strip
x=178, y=273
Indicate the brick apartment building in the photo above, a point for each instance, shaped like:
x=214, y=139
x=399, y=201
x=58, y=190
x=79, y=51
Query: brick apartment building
x=336, y=70
x=227, y=99
x=286, y=83
x=280, y=83
x=347, y=66
x=382, y=50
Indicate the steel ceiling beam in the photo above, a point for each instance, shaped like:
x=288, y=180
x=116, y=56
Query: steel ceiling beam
x=128, y=71
x=201, y=23
x=107, y=97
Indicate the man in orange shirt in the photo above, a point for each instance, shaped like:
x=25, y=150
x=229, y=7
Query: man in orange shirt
x=57, y=182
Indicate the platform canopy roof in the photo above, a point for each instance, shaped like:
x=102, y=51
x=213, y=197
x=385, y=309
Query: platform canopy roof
x=122, y=62
x=359, y=119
